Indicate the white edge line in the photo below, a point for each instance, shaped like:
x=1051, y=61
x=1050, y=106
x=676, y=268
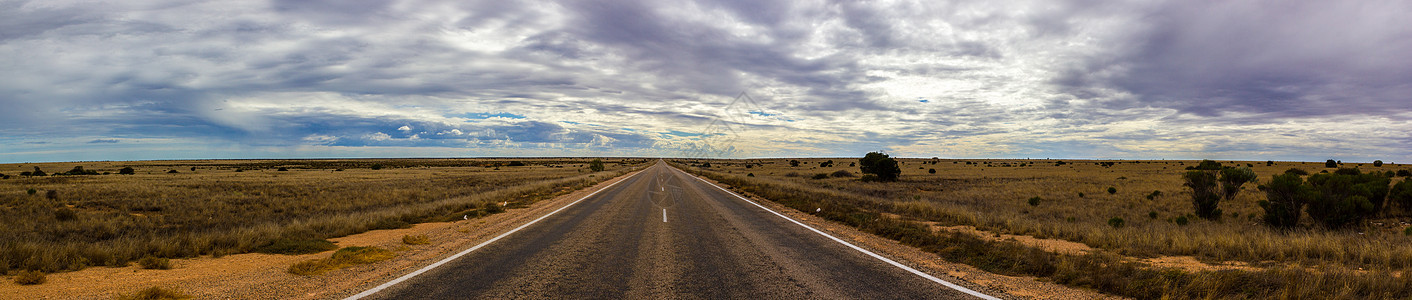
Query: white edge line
x=664, y=215
x=864, y=251
x=379, y=288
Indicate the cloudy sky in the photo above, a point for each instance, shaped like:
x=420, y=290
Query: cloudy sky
x=1283, y=80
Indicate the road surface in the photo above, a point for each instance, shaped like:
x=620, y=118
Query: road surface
x=665, y=234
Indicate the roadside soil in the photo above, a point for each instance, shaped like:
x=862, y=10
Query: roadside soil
x=264, y=276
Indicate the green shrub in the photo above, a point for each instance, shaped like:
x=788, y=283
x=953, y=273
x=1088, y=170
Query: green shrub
x=1204, y=195
x=281, y=169
x=1152, y=215
x=1346, y=197
x=821, y=176
x=155, y=263
x=374, y=167
x=879, y=164
x=1182, y=221
x=1116, y=222
x=1407, y=231
x=596, y=165
x=29, y=277
x=842, y=173
x=1297, y=171
x=1330, y=164
x=931, y=171
x=793, y=163
x=156, y=293
x=1285, y=195
x=1404, y=173
x=1377, y=163
x=130, y=171
x=750, y=175
x=1112, y=190
x=419, y=239
x=1081, y=194
x=31, y=192
x=1232, y=179
x=51, y=195
x=296, y=247
x=1402, y=195
x=1034, y=201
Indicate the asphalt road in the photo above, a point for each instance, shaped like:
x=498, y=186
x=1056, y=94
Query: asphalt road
x=664, y=234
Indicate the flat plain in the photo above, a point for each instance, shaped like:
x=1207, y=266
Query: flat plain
x=980, y=212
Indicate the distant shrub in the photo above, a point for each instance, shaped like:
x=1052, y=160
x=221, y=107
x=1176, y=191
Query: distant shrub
x=793, y=163
x=869, y=178
x=1112, y=190
x=841, y=173
x=1154, y=195
x=420, y=239
x=1297, y=171
x=1269, y=163
x=29, y=277
x=879, y=164
x=172, y=172
x=155, y=293
x=596, y=165
x=376, y=167
x=515, y=163
x=51, y=195
x=129, y=171
x=931, y=171
x=826, y=164
x=193, y=169
x=750, y=175
x=65, y=214
x=31, y=191
x=281, y=169
x=1034, y=201
x=1404, y=173
x=295, y=247
x=1115, y=222
x=1330, y=164
x=155, y=263
x=1182, y=221
x=78, y=170
x=1232, y=179
x=1207, y=164
x=1377, y=163
x=821, y=176
x=1152, y=215
x=1081, y=194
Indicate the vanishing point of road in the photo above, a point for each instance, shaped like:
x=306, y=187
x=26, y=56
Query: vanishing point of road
x=663, y=234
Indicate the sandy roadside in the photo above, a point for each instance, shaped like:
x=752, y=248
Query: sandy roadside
x=263, y=276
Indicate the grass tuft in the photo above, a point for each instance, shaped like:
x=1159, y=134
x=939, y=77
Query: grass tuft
x=343, y=258
x=419, y=239
x=156, y=293
x=155, y=263
x=29, y=277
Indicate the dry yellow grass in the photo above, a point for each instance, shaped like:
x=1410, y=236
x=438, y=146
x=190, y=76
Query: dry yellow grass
x=235, y=206
x=993, y=195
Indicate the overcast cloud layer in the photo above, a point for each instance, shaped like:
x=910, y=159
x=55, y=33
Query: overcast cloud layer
x=1283, y=80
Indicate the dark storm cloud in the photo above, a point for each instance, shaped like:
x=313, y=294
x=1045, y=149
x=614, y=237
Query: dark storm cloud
x=1278, y=59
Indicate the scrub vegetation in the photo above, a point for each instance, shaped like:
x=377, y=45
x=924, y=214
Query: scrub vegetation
x=1128, y=212
x=72, y=220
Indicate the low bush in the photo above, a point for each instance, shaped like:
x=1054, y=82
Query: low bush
x=64, y=214
x=1034, y=201
x=155, y=293
x=29, y=277
x=343, y=258
x=296, y=247
x=155, y=263
x=842, y=173
x=419, y=239
x=1115, y=222
x=127, y=171
x=1112, y=190
x=821, y=176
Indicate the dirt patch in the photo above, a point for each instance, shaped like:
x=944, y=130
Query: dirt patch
x=264, y=276
x=1050, y=245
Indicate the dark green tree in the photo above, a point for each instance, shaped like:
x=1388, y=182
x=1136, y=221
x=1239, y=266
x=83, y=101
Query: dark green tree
x=794, y=163
x=1377, y=163
x=596, y=165
x=878, y=163
x=1331, y=164
x=1346, y=197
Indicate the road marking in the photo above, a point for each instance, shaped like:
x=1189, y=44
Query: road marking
x=379, y=288
x=860, y=249
x=664, y=215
